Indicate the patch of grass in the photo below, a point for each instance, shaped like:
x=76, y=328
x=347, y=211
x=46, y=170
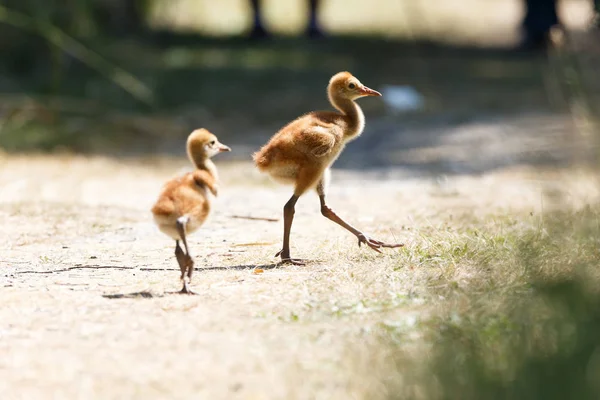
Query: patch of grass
x=67, y=134
x=464, y=257
x=527, y=323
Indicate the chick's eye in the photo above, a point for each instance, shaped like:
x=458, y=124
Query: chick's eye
x=352, y=86
x=212, y=143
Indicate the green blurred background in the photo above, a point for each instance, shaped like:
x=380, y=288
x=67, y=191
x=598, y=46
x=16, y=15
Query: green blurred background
x=135, y=76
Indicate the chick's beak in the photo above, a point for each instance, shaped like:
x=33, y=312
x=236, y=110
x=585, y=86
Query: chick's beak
x=223, y=148
x=365, y=91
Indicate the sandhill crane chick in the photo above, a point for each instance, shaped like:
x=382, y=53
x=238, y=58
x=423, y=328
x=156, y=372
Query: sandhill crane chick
x=302, y=152
x=185, y=201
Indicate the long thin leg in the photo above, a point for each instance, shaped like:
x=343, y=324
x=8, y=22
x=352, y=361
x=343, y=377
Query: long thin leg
x=288, y=218
x=181, y=260
x=362, y=238
x=181, y=231
x=187, y=259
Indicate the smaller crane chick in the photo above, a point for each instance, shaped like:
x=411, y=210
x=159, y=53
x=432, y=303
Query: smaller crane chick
x=185, y=202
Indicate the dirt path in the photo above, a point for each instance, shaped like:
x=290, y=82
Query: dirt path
x=87, y=312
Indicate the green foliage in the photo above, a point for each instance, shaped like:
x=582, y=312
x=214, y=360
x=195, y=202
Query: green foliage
x=537, y=338
x=61, y=41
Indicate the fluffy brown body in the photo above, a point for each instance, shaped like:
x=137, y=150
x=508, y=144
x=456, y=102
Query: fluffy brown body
x=185, y=202
x=303, y=150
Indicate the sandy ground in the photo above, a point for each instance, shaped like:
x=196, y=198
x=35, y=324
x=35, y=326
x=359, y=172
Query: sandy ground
x=87, y=305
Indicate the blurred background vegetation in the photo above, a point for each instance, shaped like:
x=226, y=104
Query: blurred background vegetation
x=123, y=77
x=526, y=327
x=136, y=75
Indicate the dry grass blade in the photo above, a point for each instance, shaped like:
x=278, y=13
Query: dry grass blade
x=253, y=244
x=57, y=37
x=255, y=218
